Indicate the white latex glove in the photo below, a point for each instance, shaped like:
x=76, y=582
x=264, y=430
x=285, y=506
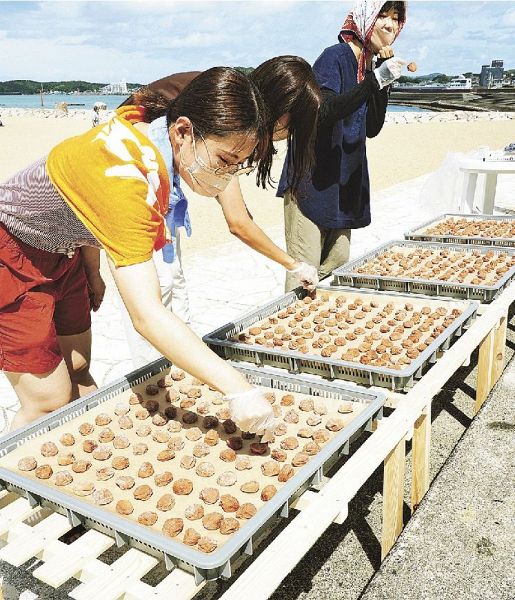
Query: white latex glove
x=389, y=71
x=252, y=412
x=305, y=274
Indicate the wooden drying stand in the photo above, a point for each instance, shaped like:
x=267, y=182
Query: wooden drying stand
x=32, y=531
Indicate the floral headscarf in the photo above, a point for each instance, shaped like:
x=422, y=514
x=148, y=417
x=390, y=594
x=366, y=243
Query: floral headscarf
x=359, y=24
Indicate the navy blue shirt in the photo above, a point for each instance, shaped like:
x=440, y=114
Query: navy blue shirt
x=337, y=195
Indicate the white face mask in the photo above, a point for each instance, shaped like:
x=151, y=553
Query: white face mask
x=205, y=176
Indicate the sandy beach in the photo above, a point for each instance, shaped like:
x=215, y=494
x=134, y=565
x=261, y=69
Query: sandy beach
x=401, y=152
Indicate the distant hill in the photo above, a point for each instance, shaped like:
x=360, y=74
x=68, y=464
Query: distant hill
x=432, y=77
x=429, y=77
x=245, y=70
x=27, y=86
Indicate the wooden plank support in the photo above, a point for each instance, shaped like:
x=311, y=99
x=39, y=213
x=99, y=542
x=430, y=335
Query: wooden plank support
x=118, y=578
x=420, y=449
x=92, y=570
x=308, y=497
x=500, y=348
x=14, y=512
x=33, y=539
x=179, y=584
x=4, y=496
x=491, y=363
x=64, y=561
x=393, y=496
x=304, y=500
x=484, y=370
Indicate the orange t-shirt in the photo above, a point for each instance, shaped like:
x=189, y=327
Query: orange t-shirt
x=115, y=181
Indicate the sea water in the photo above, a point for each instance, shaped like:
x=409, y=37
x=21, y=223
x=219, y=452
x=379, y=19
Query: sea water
x=81, y=101
x=86, y=101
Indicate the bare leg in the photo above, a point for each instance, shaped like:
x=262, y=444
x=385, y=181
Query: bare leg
x=40, y=394
x=76, y=351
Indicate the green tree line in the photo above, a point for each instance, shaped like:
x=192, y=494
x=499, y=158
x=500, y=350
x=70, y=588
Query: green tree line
x=439, y=78
x=26, y=86
x=245, y=70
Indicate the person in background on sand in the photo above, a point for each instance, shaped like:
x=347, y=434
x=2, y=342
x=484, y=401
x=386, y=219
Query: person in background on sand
x=292, y=96
x=100, y=114
x=335, y=198
x=62, y=106
x=109, y=188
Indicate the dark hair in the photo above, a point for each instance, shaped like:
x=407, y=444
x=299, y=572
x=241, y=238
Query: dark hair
x=220, y=101
x=288, y=85
x=400, y=7
x=156, y=105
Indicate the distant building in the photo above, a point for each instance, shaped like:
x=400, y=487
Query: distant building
x=115, y=88
x=492, y=76
x=460, y=82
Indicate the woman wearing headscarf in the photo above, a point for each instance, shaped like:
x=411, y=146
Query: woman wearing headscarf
x=335, y=197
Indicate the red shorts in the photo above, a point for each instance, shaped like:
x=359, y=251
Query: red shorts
x=42, y=295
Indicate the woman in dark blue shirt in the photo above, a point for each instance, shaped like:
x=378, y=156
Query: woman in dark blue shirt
x=335, y=198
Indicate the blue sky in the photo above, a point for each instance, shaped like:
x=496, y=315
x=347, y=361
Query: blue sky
x=142, y=41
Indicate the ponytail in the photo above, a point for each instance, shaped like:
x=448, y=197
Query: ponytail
x=156, y=105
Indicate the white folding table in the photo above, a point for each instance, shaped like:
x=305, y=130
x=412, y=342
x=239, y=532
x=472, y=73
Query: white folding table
x=472, y=167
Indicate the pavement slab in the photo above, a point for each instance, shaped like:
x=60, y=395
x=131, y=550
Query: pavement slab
x=459, y=544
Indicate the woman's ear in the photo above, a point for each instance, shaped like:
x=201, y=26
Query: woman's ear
x=181, y=129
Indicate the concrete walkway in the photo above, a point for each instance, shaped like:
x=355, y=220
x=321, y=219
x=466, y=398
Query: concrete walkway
x=460, y=542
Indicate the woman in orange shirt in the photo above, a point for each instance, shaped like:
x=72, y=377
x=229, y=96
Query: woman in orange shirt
x=109, y=188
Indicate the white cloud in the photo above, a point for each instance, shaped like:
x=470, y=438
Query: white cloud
x=195, y=40
x=509, y=18
x=103, y=41
x=422, y=52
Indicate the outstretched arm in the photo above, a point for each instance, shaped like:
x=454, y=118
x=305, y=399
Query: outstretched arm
x=139, y=288
x=243, y=227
